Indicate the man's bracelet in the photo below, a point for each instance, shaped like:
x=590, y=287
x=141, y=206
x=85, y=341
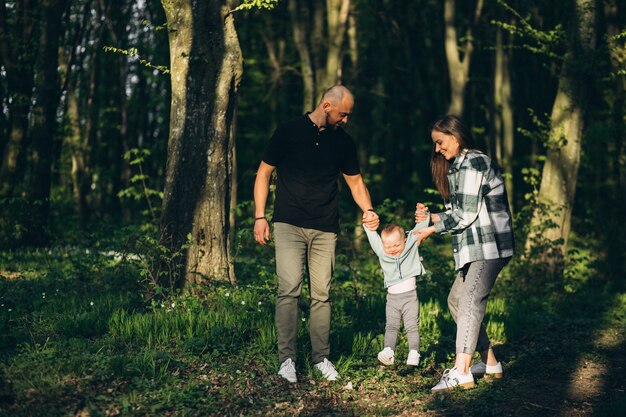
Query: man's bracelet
x=371, y=209
x=259, y=218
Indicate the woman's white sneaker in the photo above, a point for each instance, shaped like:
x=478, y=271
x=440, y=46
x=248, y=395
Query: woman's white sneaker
x=385, y=356
x=452, y=378
x=288, y=371
x=480, y=369
x=413, y=359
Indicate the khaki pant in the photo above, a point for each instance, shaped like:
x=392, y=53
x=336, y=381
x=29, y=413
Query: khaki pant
x=297, y=247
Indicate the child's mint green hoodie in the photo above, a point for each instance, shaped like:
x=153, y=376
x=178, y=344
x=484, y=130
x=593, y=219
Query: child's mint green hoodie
x=398, y=268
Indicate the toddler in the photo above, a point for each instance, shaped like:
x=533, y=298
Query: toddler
x=399, y=259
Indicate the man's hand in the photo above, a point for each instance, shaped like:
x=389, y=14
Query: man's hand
x=424, y=233
x=261, y=231
x=371, y=220
x=421, y=212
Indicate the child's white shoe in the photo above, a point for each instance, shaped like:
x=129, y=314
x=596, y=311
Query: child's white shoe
x=385, y=356
x=413, y=359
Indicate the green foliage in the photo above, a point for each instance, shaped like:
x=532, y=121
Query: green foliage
x=543, y=42
x=134, y=53
x=139, y=189
x=256, y=4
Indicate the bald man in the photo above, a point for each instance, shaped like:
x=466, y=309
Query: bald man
x=309, y=153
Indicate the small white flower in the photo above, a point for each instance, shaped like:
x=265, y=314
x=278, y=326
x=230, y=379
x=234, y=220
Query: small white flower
x=303, y=318
x=259, y=310
x=260, y=303
x=43, y=293
x=43, y=296
x=91, y=303
x=2, y=305
x=227, y=294
x=162, y=305
x=243, y=303
x=10, y=309
x=173, y=305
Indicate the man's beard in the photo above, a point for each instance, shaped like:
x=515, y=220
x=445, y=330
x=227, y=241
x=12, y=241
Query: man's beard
x=333, y=126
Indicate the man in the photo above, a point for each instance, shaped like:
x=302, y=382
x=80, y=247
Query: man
x=308, y=152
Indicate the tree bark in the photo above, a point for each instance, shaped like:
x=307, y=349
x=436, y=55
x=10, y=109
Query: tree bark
x=44, y=133
x=503, y=117
x=560, y=171
x=16, y=40
x=206, y=69
x=306, y=64
x=458, y=68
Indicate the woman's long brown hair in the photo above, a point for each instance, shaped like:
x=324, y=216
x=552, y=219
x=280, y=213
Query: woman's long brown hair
x=439, y=166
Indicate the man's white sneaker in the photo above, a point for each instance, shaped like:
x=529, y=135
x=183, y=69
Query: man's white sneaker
x=327, y=369
x=413, y=359
x=453, y=378
x=385, y=356
x=480, y=369
x=288, y=371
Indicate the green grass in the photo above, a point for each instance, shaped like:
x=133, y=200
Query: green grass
x=77, y=337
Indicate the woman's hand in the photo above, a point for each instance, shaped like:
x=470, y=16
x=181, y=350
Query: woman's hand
x=424, y=233
x=421, y=212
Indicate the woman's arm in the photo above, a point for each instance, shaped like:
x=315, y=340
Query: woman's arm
x=465, y=203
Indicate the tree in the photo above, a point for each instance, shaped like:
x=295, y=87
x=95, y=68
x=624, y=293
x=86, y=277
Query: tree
x=321, y=55
x=18, y=29
x=560, y=171
x=458, y=68
x=45, y=144
x=206, y=69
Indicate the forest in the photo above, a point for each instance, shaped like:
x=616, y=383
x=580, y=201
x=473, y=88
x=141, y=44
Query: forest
x=131, y=132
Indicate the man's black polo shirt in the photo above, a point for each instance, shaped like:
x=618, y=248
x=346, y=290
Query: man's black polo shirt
x=308, y=163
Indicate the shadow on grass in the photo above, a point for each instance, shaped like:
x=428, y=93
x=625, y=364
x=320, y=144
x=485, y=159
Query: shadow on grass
x=558, y=362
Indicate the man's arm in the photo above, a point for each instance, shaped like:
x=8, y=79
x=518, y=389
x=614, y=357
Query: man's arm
x=261, y=191
x=361, y=197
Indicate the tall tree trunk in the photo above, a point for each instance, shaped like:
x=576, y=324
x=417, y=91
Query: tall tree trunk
x=44, y=142
x=503, y=117
x=206, y=69
x=458, y=68
x=560, y=171
x=16, y=34
x=321, y=61
x=337, y=12
x=306, y=64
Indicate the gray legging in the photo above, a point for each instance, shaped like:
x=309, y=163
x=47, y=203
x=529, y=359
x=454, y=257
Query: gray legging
x=468, y=300
x=403, y=307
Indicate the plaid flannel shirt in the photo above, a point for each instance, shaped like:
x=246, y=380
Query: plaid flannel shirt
x=478, y=215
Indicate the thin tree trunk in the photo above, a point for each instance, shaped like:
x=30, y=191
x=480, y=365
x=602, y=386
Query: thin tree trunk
x=560, y=171
x=337, y=12
x=16, y=34
x=206, y=69
x=306, y=65
x=503, y=117
x=458, y=68
x=48, y=93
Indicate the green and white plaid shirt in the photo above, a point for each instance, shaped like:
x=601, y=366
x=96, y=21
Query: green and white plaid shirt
x=478, y=215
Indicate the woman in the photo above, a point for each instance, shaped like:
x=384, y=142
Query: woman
x=479, y=219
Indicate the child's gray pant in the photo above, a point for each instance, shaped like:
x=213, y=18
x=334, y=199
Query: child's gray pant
x=403, y=307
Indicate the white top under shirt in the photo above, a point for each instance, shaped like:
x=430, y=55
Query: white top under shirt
x=402, y=286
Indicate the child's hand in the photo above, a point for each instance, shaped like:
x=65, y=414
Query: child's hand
x=421, y=212
x=424, y=233
x=371, y=220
